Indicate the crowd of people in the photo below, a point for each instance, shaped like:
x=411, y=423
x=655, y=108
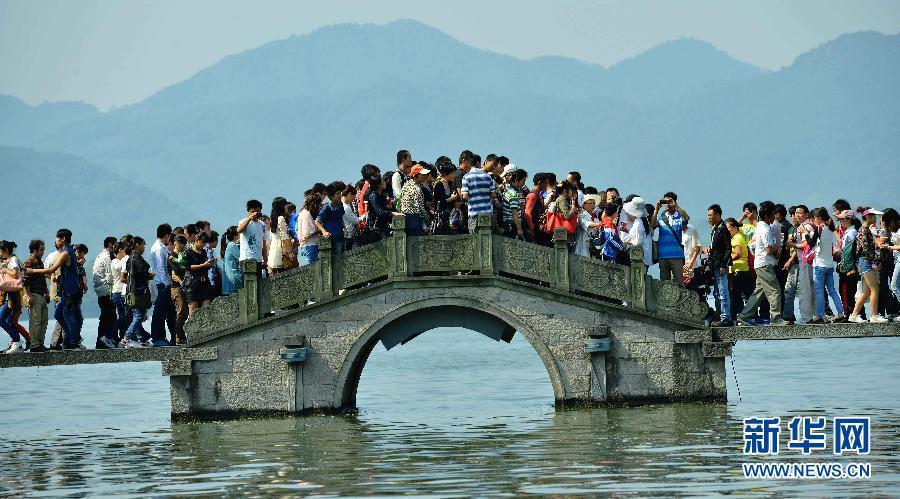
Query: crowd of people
x=756, y=266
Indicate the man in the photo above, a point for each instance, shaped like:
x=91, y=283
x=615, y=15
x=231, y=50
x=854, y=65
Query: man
x=36, y=287
x=804, y=267
x=252, y=230
x=330, y=220
x=162, y=280
x=514, y=179
x=611, y=194
x=719, y=252
x=534, y=208
x=490, y=166
x=69, y=309
x=784, y=225
x=401, y=176
x=766, y=249
x=477, y=191
x=103, y=280
x=790, y=268
x=671, y=224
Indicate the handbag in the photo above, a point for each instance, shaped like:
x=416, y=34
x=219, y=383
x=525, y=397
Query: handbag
x=11, y=285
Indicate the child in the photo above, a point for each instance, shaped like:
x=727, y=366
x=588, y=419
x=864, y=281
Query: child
x=457, y=226
x=81, y=252
x=178, y=264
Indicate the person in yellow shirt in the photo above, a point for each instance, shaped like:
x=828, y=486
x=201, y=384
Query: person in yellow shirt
x=741, y=282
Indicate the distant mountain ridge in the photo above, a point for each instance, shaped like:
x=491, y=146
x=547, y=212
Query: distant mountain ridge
x=681, y=116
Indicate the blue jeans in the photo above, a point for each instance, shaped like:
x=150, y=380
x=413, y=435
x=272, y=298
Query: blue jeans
x=895, y=279
x=123, y=314
x=338, y=247
x=161, y=310
x=135, y=327
x=6, y=315
x=720, y=292
x=823, y=277
x=68, y=312
x=309, y=254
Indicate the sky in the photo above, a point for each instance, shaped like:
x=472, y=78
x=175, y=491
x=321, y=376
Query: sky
x=114, y=53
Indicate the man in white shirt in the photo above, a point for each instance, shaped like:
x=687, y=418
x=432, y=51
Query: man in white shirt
x=103, y=280
x=765, y=251
x=162, y=281
x=252, y=230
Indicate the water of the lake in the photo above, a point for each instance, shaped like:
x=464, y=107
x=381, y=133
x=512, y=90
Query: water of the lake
x=451, y=413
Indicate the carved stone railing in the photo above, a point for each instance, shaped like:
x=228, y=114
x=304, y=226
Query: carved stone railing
x=480, y=252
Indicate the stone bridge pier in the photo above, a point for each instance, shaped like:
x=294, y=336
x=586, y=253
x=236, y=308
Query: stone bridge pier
x=605, y=333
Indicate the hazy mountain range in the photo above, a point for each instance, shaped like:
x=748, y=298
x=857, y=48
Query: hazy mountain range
x=683, y=116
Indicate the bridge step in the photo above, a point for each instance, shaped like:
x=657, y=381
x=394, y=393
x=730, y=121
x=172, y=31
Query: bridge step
x=70, y=357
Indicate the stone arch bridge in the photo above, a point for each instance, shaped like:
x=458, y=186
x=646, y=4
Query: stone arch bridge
x=604, y=332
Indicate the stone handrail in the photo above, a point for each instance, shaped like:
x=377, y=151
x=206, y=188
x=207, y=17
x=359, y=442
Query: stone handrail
x=403, y=257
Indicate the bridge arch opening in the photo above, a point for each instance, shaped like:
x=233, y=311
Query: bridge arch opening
x=435, y=316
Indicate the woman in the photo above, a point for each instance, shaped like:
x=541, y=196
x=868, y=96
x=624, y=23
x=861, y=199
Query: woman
x=198, y=287
x=12, y=301
x=309, y=234
x=822, y=240
x=137, y=275
x=638, y=228
x=563, y=205
x=866, y=240
x=445, y=198
x=351, y=219
x=587, y=224
x=279, y=240
x=232, y=280
x=891, y=223
x=123, y=313
x=412, y=202
x=378, y=215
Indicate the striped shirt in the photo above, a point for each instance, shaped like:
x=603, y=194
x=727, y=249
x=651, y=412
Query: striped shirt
x=510, y=201
x=478, y=185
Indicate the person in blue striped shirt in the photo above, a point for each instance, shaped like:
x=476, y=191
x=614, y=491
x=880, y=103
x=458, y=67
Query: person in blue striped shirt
x=478, y=191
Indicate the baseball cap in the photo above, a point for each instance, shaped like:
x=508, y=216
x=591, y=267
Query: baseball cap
x=510, y=168
x=419, y=169
x=846, y=214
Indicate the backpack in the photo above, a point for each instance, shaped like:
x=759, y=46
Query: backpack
x=849, y=256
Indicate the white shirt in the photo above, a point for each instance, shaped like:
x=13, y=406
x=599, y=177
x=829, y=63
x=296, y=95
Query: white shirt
x=13, y=264
x=251, y=241
x=824, y=246
x=118, y=266
x=124, y=286
x=637, y=236
x=159, y=263
x=102, y=274
x=691, y=240
x=582, y=235
x=764, y=237
x=50, y=258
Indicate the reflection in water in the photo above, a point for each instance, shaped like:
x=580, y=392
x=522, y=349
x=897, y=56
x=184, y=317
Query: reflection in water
x=431, y=422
